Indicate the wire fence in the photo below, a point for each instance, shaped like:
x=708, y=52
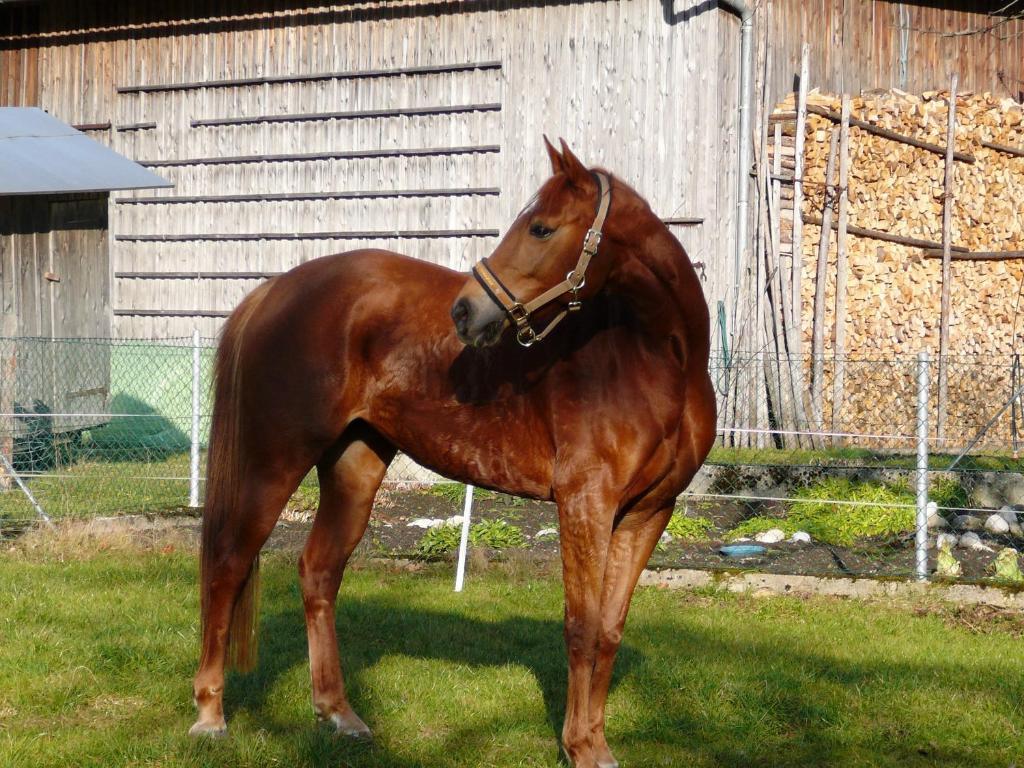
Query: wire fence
x=816, y=462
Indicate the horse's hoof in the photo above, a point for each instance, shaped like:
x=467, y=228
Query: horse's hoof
x=588, y=763
x=350, y=726
x=214, y=730
x=605, y=764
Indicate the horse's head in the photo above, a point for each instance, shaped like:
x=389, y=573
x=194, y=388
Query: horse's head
x=547, y=263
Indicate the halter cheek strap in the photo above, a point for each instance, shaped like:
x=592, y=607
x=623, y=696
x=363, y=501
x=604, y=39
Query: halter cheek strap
x=519, y=312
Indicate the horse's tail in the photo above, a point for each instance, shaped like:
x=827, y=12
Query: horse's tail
x=222, y=509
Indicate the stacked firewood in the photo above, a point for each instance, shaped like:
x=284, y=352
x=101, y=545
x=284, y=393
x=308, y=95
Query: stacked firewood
x=893, y=290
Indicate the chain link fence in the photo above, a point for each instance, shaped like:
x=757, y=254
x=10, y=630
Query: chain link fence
x=817, y=463
x=98, y=427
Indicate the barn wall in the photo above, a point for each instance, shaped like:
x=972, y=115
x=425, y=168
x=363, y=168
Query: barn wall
x=858, y=45
x=647, y=93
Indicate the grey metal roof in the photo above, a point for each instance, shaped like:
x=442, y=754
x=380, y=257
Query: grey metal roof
x=39, y=155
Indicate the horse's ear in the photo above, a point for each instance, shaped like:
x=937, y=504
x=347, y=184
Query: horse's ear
x=556, y=159
x=573, y=168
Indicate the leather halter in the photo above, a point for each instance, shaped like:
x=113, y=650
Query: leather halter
x=519, y=312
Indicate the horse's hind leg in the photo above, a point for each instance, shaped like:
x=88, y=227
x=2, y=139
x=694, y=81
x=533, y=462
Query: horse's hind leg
x=350, y=475
x=260, y=501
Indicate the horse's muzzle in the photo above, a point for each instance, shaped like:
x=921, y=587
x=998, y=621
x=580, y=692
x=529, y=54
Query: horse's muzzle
x=478, y=323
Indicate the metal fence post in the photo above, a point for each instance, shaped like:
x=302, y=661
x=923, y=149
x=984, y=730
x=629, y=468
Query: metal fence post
x=193, y=484
x=460, y=571
x=921, y=534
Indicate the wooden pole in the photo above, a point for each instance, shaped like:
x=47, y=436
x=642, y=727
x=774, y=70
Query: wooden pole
x=758, y=389
x=8, y=386
x=775, y=288
x=789, y=403
x=795, y=331
x=947, y=222
x=877, y=234
x=885, y=133
x=937, y=253
x=820, y=278
x=839, y=345
x=1015, y=151
x=798, y=199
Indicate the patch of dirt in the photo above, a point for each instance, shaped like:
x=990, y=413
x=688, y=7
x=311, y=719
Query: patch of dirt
x=389, y=535
x=977, y=619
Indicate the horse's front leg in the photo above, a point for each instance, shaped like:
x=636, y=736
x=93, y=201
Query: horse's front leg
x=632, y=543
x=586, y=521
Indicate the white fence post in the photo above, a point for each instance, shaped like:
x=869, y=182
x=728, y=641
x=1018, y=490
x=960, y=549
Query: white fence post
x=193, y=484
x=921, y=536
x=460, y=571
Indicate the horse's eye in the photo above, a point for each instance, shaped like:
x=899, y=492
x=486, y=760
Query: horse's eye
x=539, y=231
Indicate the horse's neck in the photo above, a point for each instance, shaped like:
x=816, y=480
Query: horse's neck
x=660, y=284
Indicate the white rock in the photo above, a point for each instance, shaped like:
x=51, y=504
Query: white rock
x=935, y=520
x=666, y=537
x=996, y=524
x=771, y=536
x=971, y=540
x=425, y=522
x=454, y=520
x=801, y=537
x=545, y=532
x=949, y=540
x=1009, y=514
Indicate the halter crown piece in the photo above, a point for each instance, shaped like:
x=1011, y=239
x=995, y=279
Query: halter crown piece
x=519, y=312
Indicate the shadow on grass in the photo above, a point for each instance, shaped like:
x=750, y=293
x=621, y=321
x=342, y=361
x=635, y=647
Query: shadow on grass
x=372, y=629
x=793, y=705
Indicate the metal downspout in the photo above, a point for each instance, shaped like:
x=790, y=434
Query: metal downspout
x=746, y=14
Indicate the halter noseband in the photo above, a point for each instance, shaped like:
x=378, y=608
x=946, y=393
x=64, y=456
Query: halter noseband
x=519, y=312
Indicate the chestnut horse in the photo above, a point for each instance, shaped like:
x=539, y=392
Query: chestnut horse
x=347, y=359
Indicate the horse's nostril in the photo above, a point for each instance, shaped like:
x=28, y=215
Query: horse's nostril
x=460, y=315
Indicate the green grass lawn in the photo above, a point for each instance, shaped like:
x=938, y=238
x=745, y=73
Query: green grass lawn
x=98, y=650
x=91, y=488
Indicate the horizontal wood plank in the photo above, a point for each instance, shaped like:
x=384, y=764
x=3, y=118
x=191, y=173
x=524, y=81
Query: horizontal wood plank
x=300, y=196
x=360, y=114
x=430, y=69
x=417, y=234
x=360, y=154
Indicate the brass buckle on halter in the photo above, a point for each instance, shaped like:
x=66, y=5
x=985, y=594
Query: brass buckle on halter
x=592, y=241
x=517, y=312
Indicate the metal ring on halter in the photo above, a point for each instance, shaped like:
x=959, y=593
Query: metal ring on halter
x=526, y=336
x=575, y=286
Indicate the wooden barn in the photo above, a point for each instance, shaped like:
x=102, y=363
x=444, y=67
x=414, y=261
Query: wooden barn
x=293, y=130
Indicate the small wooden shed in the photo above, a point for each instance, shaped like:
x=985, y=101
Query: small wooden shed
x=55, y=261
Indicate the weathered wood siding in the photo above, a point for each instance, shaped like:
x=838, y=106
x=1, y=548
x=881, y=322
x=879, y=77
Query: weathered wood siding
x=632, y=86
x=54, y=271
x=54, y=283
x=859, y=45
